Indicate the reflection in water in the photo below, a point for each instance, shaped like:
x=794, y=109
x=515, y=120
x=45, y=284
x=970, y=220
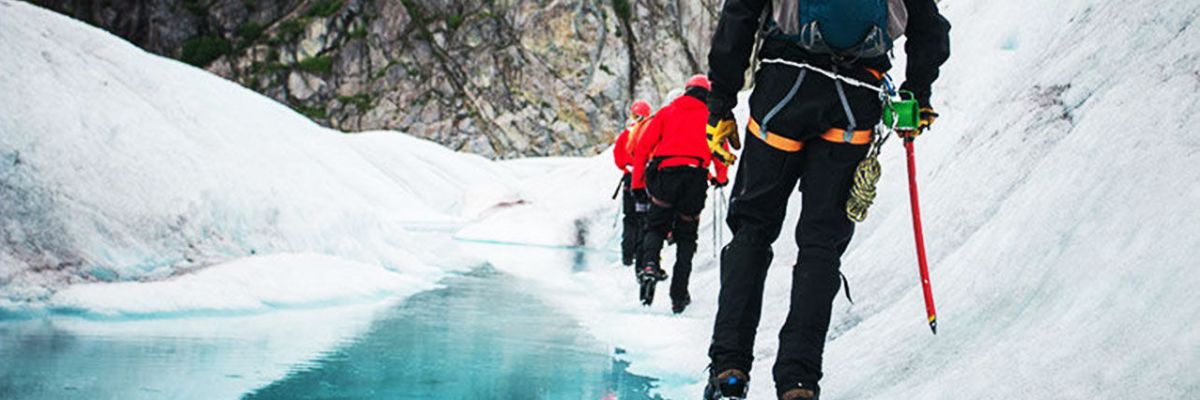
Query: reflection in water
x=479, y=338
x=579, y=258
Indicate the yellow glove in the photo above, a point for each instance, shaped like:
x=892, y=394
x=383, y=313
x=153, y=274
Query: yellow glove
x=928, y=115
x=718, y=133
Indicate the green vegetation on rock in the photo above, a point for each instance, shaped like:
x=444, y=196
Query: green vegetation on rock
x=311, y=112
x=292, y=28
x=414, y=11
x=324, y=8
x=316, y=65
x=268, y=67
x=362, y=101
x=359, y=32
x=454, y=21
x=249, y=33
x=622, y=8
x=194, y=7
x=201, y=50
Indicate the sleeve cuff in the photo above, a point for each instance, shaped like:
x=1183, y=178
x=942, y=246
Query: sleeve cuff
x=922, y=96
x=720, y=108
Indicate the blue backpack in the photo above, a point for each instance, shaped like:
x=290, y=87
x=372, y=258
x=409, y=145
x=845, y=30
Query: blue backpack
x=842, y=28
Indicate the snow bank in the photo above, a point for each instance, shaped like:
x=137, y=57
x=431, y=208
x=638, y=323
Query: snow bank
x=559, y=189
x=245, y=286
x=1059, y=195
x=117, y=165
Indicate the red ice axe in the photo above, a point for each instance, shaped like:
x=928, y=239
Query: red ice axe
x=918, y=235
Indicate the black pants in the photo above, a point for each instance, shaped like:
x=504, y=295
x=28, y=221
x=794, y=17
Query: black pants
x=764, y=183
x=677, y=199
x=631, y=233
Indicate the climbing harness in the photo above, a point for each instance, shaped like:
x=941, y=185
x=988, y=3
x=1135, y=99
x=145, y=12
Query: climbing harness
x=835, y=135
x=830, y=74
x=867, y=173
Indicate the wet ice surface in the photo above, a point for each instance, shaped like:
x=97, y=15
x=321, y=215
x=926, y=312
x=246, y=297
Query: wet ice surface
x=478, y=337
x=190, y=358
x=481, y=337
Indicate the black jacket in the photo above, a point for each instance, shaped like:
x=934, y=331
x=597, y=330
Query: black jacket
x=928, y=47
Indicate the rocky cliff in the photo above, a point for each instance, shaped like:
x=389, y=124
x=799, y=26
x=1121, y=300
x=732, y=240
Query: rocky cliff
x=501, y=78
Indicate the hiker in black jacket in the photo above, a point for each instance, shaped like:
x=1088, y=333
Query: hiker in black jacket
x=815, y=102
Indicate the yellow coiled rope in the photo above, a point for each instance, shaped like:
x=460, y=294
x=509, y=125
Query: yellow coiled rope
x=866, y=176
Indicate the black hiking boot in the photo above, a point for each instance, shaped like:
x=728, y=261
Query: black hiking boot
x=647, y=277
x=652, y=270
x=627, y=259
x=678, y=305
x=730, y=384
x=801, y=392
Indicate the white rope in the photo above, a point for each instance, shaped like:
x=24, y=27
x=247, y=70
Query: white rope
x=829, y=74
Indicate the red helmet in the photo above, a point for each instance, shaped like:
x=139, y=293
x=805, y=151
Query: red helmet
x=698, y=80
x=640, y=108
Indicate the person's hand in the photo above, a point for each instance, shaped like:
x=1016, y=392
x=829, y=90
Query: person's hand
x=722, y=130
x=926, y=117
x=717, y=183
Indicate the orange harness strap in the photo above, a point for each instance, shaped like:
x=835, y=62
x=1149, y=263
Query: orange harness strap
x=878, y=75
x=782, y=143
x=774, y=140
x=839, y=136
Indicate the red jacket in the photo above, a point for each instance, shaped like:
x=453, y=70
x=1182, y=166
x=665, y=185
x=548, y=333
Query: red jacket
x=626, y=141
x=621, y=155
x=676, y=133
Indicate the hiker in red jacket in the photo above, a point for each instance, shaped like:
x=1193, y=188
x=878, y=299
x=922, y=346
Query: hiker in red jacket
x=623, y=157
x=670, y=165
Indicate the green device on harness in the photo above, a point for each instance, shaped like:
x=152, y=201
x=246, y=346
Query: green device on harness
x=903, y=114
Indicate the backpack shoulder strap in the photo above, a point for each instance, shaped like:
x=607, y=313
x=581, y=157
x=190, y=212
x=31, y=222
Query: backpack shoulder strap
x=897, y=19
x=635, y=134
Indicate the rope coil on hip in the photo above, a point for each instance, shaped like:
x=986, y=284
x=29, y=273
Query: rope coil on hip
x=866, y=176
x=868, y=171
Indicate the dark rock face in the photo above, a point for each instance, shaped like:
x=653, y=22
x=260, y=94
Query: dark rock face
x=501, y=78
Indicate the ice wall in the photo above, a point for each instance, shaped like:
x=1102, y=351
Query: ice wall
x=118, y=165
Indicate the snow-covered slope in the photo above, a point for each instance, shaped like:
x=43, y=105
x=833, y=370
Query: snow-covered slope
x=1059, y=199
x=118, y=165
